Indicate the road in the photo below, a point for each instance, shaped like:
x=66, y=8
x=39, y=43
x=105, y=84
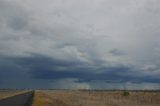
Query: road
x=18, y=100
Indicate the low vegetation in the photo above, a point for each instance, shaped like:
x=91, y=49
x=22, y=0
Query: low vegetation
x=95, y=98
x=125, y=93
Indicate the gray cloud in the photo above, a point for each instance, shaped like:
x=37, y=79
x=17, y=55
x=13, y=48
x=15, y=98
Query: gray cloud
x=117, y=52
x=101, y=35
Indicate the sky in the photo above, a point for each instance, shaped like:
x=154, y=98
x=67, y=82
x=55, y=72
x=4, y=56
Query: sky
x=80, y=44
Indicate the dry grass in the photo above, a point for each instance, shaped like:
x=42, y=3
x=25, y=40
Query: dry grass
x=9, y=93
x=93, y=98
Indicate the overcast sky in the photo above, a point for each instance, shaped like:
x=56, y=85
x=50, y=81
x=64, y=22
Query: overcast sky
x=80, y=44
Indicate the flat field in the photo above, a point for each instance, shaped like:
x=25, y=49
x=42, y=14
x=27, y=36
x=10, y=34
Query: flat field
x=95, y=98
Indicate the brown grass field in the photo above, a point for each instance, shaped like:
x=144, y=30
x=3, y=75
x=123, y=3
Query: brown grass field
x=95, y=98
x=9, y=93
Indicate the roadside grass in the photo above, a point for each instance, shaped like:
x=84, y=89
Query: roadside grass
x=9, y=93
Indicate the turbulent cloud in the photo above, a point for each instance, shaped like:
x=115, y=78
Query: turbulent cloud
x=89, y=40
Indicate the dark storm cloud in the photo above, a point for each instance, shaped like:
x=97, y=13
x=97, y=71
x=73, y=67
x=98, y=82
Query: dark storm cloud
x=113, y=75
x=45, y=68
x=84, y=73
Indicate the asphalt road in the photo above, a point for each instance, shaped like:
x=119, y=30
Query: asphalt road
x=18, y=100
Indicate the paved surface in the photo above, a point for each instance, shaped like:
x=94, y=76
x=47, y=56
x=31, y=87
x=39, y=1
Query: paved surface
x=17, y=100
